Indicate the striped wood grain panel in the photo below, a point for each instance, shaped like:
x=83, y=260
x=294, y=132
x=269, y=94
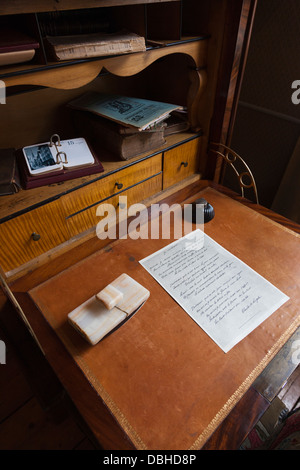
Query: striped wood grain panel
x=181, y=162
x=103, y=188
x=86, y=219
x=17, y=244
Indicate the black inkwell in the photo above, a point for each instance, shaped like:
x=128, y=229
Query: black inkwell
x=202, y=205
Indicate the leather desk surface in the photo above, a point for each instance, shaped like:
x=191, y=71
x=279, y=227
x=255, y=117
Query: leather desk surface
x=159, y=382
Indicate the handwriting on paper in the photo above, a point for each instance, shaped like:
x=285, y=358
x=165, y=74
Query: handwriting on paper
x=221, y=293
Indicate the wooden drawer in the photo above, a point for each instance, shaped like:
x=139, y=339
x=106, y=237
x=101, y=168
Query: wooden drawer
x=88, y=218
x=112, y=184
x=180, y=162
x=31, y=234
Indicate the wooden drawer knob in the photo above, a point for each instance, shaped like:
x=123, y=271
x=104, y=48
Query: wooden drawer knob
x=185, y=164
x=35, y=236
x=119, y=185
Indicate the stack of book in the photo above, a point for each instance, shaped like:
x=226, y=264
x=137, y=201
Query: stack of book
x=16, y=46
x=122, y=125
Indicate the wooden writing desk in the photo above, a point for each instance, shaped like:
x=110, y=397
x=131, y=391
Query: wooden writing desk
x=159, y=382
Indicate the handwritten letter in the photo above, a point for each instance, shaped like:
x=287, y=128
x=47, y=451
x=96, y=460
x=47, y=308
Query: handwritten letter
x=223, y=295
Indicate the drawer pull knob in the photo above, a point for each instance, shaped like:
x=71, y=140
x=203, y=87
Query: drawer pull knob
x=35, y=236
x=119, y=185
x=185, y=164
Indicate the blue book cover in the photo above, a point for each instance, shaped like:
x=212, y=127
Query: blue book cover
x=128, y=111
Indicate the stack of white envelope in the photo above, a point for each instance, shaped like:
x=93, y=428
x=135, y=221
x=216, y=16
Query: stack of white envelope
x=100, y=314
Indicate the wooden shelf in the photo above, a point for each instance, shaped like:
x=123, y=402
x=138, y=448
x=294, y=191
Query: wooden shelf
x=32, y=6
x=25, y=200
x=181, y=65
x=57, y=74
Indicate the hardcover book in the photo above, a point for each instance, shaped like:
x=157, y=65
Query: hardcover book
x=9, y=176
x=124, y=143
x=82, y=46
x=16, y=46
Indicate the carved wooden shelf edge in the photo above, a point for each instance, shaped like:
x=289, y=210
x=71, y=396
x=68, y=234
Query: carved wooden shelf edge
x=72, y=75
x=198, y=82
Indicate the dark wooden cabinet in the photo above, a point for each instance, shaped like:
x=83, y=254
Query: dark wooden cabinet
x=194, y=57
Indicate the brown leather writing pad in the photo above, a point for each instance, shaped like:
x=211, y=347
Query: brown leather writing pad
x=166, y=382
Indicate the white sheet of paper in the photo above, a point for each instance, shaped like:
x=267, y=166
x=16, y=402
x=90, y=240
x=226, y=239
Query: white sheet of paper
x=222, y=294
